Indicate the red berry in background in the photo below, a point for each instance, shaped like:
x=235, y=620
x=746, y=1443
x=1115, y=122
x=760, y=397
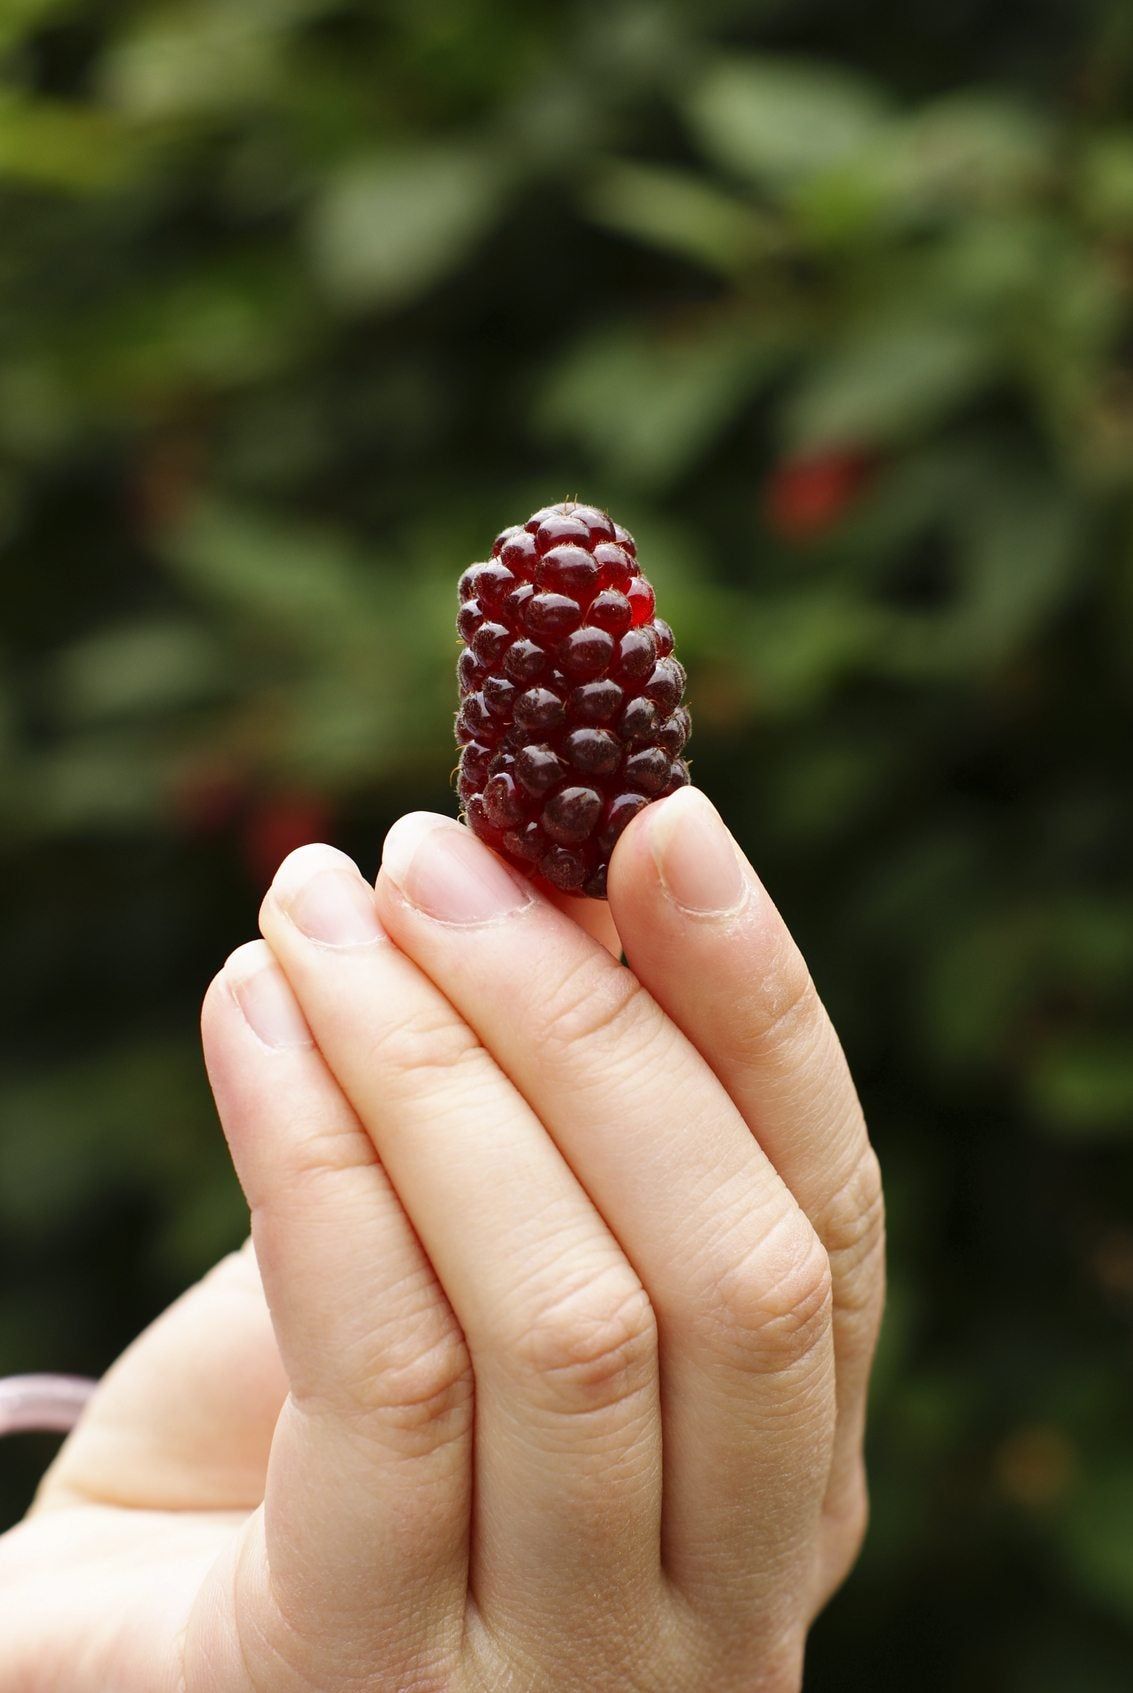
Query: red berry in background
x=277, y=824
x=572, y=716
x=805, y=498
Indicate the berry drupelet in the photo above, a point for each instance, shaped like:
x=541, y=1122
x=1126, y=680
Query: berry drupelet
x=571, y=718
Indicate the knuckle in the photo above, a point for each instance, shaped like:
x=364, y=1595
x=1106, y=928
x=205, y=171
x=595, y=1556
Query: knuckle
x=593, y=1346
x=323, y=1154
x=772, y=1305
x=779, y=1007
x=852, y=1227
x=428, y=1041
x=421, y=1399
x=594, y=999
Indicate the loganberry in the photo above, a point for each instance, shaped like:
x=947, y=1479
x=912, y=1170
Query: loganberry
x=571, y=717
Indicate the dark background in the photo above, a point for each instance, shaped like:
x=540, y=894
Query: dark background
x=832, y=305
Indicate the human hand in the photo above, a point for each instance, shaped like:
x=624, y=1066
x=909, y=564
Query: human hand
x=575, y=1273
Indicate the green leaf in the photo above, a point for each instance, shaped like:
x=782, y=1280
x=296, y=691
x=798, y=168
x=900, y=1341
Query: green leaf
x=49, y=144
x=886, y=380
x=793, y=650
x=181, y=61
x=103, y=783
x=143, y=667
x=1105, y=181
x=646, y=405
x=223, y=325
x=388, y=227
x=20, y=17
x=1097, y=1541
x=1018, y=560
x=971, y=149
x=775, y=120
x=681, y=213
x=299, y=579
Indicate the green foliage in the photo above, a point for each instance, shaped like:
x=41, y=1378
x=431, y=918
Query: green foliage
x=387, y=227
x=298, y=304
x=781, y=121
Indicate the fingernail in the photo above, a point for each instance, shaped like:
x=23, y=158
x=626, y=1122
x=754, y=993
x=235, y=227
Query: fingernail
x=696, y=857
x=442, y=869
x=325, y=897
x=261, y=991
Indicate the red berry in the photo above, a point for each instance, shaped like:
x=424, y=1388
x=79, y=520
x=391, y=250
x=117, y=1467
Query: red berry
x=804, y=498
x=278, y=824
x=571, y=718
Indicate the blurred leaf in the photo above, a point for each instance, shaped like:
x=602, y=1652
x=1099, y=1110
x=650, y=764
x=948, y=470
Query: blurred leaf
x=19, y=17
x=303, y=580
x=180, y=60
x=842, y=777
x=886, y=380
x=224, y=325
x=647, y=404
x=37, y=410
x=681, y=213
x=52, y=145
x=791, y=651
x=1096, y=1540
x=101, y=783
x=971, y=149
x=777, y=119
x=1106, y=181
x=1020, y=556
x=388, y=227
x=148, y=667
x=1016, y=545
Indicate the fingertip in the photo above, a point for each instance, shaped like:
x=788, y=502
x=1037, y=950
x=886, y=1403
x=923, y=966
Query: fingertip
x=299, y=866
x=405, y=835
x=251, y=992
x=441, y=870
x=683, y=850
x=245, y=960
x=217, y=998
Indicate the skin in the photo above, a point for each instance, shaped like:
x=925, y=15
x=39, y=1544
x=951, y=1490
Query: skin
x=545, y=1366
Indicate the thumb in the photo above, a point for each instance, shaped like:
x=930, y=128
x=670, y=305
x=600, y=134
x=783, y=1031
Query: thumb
x=184, y=1419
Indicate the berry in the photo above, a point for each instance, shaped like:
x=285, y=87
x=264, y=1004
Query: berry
x=277, y=824
x=805, y=498
x=571, y=717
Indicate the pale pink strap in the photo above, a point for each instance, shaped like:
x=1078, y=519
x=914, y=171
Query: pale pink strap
x=49, y=1404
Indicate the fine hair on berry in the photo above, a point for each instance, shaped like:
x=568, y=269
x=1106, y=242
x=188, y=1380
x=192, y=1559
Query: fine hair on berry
x=572, y=715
